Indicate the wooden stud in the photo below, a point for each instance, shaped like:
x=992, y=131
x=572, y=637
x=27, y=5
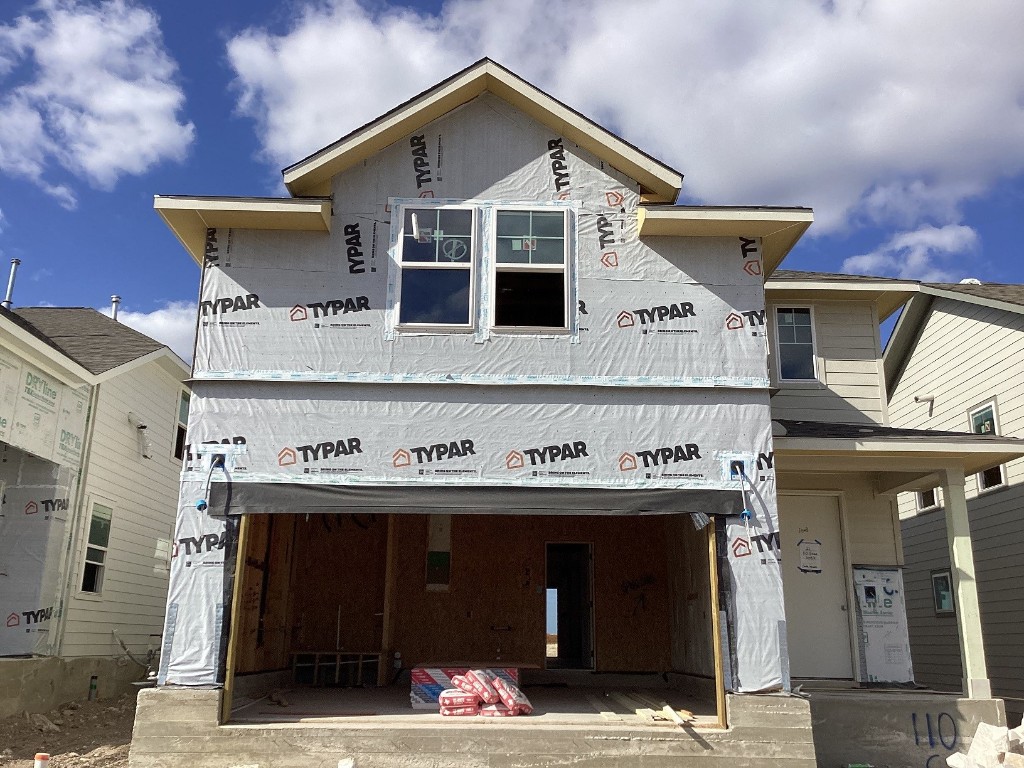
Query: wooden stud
x=716, y=628
x=387, y=633
x=236, y=591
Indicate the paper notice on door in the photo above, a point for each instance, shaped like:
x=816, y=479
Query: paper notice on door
x=809, y=556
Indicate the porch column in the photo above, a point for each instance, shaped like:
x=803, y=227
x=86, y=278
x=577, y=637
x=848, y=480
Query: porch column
x=961, y=560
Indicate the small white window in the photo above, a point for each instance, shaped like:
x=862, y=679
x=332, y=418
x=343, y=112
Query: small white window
x=927, y=500
x=983, y=422
x=795, y=335
x=942, y=592
x=180, y=430
x=96, y=548
x=530, y=269
x=436, y=256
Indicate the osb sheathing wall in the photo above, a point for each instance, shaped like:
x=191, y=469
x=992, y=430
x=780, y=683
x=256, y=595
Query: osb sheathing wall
x=494, y=609
x=690, y=581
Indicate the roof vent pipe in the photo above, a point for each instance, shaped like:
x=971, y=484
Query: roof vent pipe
x=10, y=283
x=115, y=301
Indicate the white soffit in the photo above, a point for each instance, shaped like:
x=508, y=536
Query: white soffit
x=778, y=228
x=887, y=296
x=190, y=217
x=312, y=175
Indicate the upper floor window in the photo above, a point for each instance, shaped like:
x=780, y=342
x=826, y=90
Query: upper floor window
x=182, y=426
x=441, y=248
x=794, y=329
x=927, y=500
x=983, y=422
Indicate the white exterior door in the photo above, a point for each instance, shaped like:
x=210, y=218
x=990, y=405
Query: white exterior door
x=814, y=584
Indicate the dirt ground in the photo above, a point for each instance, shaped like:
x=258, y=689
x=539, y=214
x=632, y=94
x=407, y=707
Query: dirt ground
x=90, y=734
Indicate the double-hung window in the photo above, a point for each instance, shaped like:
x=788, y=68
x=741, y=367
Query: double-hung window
x=436, y=255
x=96, y=548
x=794, y=328
x=530, y=269
x=983, y=422
x=440, y=251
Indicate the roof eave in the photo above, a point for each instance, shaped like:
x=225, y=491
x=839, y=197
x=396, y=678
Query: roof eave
x=778, y=228
x=887, y=296
x=189, y=217
x=43, y=356
x=313, y=174
x=971, y=298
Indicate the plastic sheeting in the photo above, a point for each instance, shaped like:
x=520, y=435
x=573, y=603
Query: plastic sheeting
x=42, y=424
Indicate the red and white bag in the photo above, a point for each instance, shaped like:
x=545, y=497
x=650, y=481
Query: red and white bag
x=460, y=682
x=453, y=697
x=497, y=710
x=482, y=682
x=460, y=711
x=512, y=697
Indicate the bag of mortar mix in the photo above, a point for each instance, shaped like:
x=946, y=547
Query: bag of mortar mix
x=460, y=682
x=460, y=711
x=481, y=680
x=453, y=697
x=512, y=697
x=497, y=710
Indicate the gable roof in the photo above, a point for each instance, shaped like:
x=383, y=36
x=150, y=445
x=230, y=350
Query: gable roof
x=1005, y=296
x=88, y=337
x=311, y=176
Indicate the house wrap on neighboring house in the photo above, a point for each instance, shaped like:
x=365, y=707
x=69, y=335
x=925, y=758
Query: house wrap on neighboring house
x=92, y=414
x=956, y=362
x=480, y=356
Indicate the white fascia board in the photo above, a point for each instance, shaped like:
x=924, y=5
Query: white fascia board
x=840, y=285
x=972, y=299
x=165, y=357
x=312, y=174
x=189, y=217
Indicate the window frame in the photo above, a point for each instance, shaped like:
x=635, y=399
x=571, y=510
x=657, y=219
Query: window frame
x=181, y=425
x=401, y=265
x=564, y=267
x=103, y=563
x=995, y=431
x=778, y=345
x=946, y=573
x=919, y=498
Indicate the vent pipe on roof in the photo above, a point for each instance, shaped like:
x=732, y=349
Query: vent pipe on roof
x=10, y=283
x=115, y=300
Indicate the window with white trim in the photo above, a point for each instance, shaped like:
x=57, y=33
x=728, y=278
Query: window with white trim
x=983, y=422
x=942, y=592
x=180, y=430
x=794, y=334
x=927, y=500
x=96, y=548
x=439, y=252
x=436, y=257
x=529, y=269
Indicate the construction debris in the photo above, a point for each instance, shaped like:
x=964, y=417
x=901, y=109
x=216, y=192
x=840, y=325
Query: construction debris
x=992, y=746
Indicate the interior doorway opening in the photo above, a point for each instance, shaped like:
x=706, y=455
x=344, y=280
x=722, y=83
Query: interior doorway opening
x=569, y=570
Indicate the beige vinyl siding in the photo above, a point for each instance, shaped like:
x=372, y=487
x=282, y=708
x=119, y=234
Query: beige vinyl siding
x=849, y=386
x=965, y=356
x=143, y=494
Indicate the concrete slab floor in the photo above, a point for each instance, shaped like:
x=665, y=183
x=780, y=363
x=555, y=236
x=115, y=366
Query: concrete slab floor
x=553, y=706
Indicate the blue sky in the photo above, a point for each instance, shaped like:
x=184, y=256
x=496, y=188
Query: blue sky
x=901, y=124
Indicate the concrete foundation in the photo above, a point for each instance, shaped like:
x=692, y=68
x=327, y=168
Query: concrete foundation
x=44, y=683
x=899, y=728
x=175, y=728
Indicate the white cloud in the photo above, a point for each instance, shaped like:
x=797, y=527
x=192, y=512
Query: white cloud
x=173, y=324
x=100, y=98
x=866, y=110
x=931, y=254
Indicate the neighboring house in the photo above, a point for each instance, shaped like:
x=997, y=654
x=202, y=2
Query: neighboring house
x=956, y=362
x=481, y=361
x=92, y=418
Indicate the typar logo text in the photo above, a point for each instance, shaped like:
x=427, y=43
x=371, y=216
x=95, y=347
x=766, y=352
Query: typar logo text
x=427, y=454
x=750, y=318
x=516, y=459
x=667, y=458
x=559, y=168
x=330, y=308
x=751, y=256
x=319, y=452
x=48, y=505
x=660, y=316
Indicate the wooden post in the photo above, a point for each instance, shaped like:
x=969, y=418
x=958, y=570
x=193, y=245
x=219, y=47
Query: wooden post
x=234, y=613
x=384, y=670
x=961, y=561
x=716, y=625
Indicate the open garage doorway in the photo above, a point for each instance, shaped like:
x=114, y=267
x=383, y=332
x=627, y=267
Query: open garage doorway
x=342, y=610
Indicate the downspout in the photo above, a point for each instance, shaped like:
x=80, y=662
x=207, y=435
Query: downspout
x=74, y=534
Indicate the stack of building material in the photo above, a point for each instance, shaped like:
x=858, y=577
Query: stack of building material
x=482, y=692
x=429, y=681
x=992, y=746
